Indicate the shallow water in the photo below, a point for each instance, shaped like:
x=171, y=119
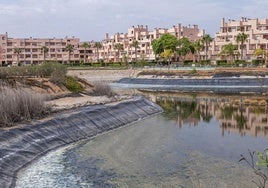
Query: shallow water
x=196, y=142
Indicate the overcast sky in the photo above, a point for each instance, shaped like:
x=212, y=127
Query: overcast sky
x=91, y=19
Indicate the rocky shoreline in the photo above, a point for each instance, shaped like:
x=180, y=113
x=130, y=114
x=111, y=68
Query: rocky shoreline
x=23, y=144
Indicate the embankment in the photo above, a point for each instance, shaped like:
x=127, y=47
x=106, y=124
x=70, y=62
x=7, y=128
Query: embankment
x=20, y=146
x=218, y=85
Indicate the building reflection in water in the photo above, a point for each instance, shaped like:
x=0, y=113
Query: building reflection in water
x=242, y=115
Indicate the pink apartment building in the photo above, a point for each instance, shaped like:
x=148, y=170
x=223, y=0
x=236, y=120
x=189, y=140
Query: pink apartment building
x=141, y=33
x=256, y=30
x=31, y=52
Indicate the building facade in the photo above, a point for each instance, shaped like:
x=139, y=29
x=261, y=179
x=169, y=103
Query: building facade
x=144, y=37
x=255, y=29
x=30, y=50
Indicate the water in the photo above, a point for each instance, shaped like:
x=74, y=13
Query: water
x=196, y=142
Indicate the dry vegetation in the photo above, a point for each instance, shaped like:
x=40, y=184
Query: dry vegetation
x=17, y=105
x=102, y=89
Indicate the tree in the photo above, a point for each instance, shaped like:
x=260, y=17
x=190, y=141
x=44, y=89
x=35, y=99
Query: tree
x=198, y=46
x=157, y=47
x=206, y=40
x=44, y=51
x=69, y=49
x=119, y=47
x=166, y=55
x=17, y=51
x=259, y=52
x=98, y=45
x=241, y=38
x=167, y=43
x=85, y=45
x=135, y=44
x=229, y=50
x=184, y=47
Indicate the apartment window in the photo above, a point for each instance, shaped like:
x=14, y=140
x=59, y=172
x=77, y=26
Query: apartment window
x=34, y=50
x=28, y=55
x=3, y=51
x=27, y=50
x=9, y=44
x=52, y=50
x=34, y=44
x=9, y=56
x=3, y=44
x=3, y=38
x=35, y=56
x=59, y=55
x=9, y=50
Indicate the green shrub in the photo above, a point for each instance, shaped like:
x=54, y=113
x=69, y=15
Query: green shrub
x=187, y=62
x=205, y=62
x=257, y=62
x=194, y=71
x=73, y=85
x=221, y=62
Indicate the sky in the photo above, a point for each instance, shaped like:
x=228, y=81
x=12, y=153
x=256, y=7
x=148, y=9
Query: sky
x=91, y=19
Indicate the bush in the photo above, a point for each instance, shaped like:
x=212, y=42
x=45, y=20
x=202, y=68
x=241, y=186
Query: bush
x=194, y=71
x=17, y=105
x=187, y=62
x=257, y=62
x=44, y=70
x=73, y=85
x=221, y=62
x=205, y=62
x=101, y=89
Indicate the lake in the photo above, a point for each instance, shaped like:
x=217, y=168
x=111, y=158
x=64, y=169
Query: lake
x=196, y=142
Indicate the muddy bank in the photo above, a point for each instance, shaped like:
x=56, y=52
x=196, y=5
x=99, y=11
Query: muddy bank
x=20, y=146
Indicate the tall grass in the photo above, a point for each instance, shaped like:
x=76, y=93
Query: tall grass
x=17, y=105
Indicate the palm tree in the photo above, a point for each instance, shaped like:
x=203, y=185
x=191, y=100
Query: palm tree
x=198, y=46
x=85, y=45
x=119, y=47
x=241, y=38
x=44, y=51
x=206, y=39
x=98, y=45
x=69, y=49
x=229, y=50
x=17, y=51
x=135, y=44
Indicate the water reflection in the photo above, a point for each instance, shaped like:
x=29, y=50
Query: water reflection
x=156, y=153
x=243, y=115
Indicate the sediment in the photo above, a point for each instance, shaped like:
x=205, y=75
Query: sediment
x=22, y=145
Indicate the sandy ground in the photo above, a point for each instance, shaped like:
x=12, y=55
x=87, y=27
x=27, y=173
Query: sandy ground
x=66, y=103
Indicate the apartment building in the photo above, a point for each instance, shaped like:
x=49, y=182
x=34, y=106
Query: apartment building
x=31, y=50
x=255, y=29
x=109, y=53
